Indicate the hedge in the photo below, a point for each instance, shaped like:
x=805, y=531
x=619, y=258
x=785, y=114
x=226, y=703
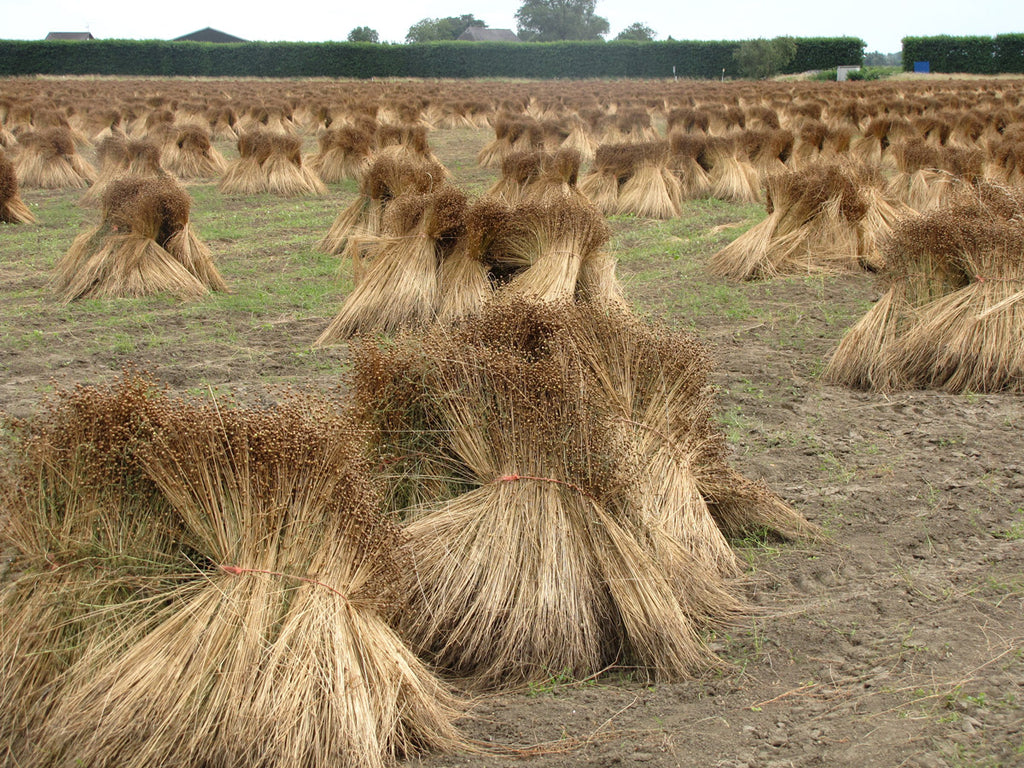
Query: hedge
x=974, y=54
x=569, y=59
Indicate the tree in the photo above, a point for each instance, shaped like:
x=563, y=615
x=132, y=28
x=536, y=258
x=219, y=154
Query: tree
x=636, y=31
x=448, y=28
x=762, y=58
x=547, y=20
x=363, y=35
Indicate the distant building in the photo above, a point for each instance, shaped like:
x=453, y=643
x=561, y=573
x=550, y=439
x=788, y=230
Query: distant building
x=70, y=36
x=209, y=35
x=486, y=35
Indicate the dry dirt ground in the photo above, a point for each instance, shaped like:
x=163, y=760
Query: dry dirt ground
x=896, y=641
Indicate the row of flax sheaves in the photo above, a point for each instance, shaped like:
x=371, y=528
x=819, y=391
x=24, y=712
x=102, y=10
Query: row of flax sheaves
x=267, y=161
x=719, y=142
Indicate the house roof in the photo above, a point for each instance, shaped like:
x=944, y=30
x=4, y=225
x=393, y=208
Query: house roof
x=70, y=36
x=487, y=35
x=210, y=35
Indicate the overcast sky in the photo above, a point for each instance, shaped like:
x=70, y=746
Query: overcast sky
x=880, y=23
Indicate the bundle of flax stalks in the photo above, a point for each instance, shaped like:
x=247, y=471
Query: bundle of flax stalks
x=538, y=175
x=270, y=163
x=264, y=640
x=386, y=178
x=400, y=285
x=730, y=173
x=405, y=140
x=12, y=208
x=650, y=189
x=558, y=177
x=119, y=158
x=86, y=530
x=552, y=527
x=518, y=170
x=927, y=175
x=814, y=223
x=143, y=245
x=613, y=163
x=547, y=246
x=688, y=163
x=465, y=279
x=48, y=159
x=191, y=155
x=511, y=133
x=1006, y=159
x=343, y=153
x=953, y=314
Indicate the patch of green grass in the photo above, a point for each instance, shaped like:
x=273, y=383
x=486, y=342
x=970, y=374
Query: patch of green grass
x=555, y=682
x=1015, y=530
x=757, y=546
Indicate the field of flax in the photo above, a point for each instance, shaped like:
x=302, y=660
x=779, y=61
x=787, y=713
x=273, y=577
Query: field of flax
x=896, y=639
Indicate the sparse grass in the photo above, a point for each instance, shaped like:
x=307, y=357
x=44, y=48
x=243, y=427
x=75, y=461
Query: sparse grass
x=757, y=547
x=1015, y=530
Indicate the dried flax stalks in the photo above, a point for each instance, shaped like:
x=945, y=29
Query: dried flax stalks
x=650, y=190
x=191, y=155
x=518, y=169
x=12, y=208
x=271, y=163
x=87, y=532
x=361, y=221
x=343, y=153
x=143, y=245
x=633, y=179
x=264, y=640
x=687, y=163
x=928, y=175
x=547, y=246
x=119, y=158
x=527, y=440
x=953, y=315
x=465, y=280
x=400, y=286
x=612, y=165
x=731, y=176
x=818, y=219
x=510, y=133
x=48, y=159
x=433, y=259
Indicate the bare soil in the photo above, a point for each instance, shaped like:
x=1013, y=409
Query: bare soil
x=896, y=641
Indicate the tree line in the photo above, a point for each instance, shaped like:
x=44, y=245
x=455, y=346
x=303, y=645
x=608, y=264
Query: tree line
x=538, y=21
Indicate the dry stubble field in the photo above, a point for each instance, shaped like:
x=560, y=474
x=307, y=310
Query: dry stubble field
x=898, y=641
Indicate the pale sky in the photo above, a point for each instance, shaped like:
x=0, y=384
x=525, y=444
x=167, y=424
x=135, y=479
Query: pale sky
x=880, y=23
